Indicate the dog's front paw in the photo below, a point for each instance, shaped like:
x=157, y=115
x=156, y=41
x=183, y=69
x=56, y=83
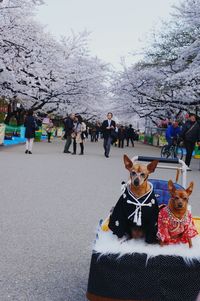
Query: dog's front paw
x=190, y=243
x=163, y=243
x=123, y=239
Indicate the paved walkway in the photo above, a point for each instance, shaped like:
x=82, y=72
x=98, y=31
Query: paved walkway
x=50, y=205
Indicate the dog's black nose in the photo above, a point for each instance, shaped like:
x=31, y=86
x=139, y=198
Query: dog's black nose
x=136, y=182
x=180, y=205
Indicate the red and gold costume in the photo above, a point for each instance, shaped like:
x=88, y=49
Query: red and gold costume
x=173, y=230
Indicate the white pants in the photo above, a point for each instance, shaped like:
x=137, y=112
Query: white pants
x=29, y=144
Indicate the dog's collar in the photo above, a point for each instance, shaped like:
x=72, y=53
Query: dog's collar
x=142, y=196
x=173, y=218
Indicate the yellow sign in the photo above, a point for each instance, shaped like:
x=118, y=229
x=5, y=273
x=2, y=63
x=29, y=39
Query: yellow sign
x=197, y=223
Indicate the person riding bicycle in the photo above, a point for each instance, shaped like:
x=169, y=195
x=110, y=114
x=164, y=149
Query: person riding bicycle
x=172, y=133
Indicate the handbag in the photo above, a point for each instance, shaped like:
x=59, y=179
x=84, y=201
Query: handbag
x=83, y=136
x=73, y=135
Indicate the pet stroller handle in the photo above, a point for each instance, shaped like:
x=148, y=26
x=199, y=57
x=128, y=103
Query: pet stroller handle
x=183, y=167
x=163, y=160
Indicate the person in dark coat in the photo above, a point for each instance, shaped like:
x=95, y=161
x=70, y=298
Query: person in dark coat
x=108, y=129
x=93, y=133
x=190, y=135
x=31, y=126
x=97, y=126
x=69, y=125
x=121, y=136
x=130, y=133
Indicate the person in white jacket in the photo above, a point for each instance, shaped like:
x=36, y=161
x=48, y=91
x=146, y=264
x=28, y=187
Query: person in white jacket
x=79, y=134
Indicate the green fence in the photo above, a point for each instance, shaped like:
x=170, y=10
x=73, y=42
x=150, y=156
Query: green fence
x=10, y=129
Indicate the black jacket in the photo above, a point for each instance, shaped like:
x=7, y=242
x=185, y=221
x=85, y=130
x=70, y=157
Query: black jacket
x=126, y=215
x=192, y=135
x=121, y=133
x=31, y=126
x=68, y=124
x=130, y=133
x=107, y=132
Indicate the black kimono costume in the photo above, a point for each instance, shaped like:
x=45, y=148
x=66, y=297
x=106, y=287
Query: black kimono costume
x=130, y=213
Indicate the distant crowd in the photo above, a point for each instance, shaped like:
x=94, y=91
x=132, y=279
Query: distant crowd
x=124, y=134
x=188, y=133
x=76, y=131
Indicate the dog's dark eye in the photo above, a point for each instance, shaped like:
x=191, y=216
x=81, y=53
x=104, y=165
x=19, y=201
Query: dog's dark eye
x=142, y=175
x=133, y=173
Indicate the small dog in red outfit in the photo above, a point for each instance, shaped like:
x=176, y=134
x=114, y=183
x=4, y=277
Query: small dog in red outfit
x=175, y=224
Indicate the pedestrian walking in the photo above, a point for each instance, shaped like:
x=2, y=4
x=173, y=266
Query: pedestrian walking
x=108, y=129
x=68, y=125
x=31, y=126
x=97, y=127
x=49, y=130
x=121, y=136
x=130, y=133
x=190, y=135
x=93, y=133
x=82, y=136
x=79, y=135
x=74, y=134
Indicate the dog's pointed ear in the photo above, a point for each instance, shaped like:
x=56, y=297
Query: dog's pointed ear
x=127, y=162
x=190, y=188
x=171, y=187
x=152, y=166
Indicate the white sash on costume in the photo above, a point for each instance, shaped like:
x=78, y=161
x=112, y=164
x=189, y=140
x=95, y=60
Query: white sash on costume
x=137, y=214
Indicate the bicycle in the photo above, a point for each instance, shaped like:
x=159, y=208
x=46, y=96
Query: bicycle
x=175, y=150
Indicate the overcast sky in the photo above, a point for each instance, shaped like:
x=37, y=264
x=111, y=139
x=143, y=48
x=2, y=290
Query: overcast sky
x=118, y=27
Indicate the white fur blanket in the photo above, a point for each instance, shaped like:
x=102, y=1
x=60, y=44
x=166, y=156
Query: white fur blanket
x=108, y=243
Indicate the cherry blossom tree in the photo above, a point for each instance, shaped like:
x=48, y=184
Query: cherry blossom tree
x=46, y=74
x=167, y=80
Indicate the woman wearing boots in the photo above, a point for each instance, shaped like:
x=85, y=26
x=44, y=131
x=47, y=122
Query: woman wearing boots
x=79, y=134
